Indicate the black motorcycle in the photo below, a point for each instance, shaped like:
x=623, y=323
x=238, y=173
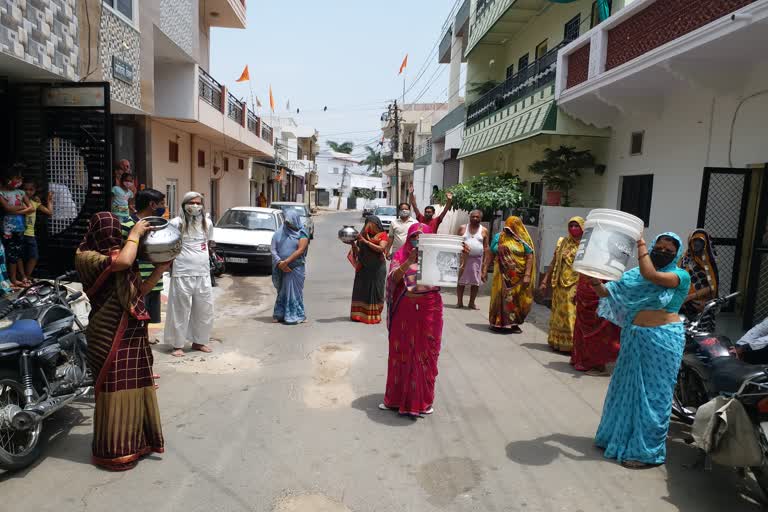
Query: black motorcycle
x=42, y=366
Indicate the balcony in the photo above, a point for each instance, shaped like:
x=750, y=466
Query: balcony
x=423, y=154
x=225, y=13
x=209, y=89
x=266, y=133
x=494, y=21
x=518, y=86
x=235, y=109
x=405, y=165
x=632, y=60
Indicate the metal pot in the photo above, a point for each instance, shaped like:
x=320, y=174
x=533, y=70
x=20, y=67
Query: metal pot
x=161, y=243
x=348, y=234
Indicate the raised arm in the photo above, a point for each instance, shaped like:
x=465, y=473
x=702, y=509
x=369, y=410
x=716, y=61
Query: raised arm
x=127, y=255
x=448, y=203
x=416, y=211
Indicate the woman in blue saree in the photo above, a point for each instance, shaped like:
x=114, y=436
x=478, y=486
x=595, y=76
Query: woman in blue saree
x=645, y=303
x=289, y=250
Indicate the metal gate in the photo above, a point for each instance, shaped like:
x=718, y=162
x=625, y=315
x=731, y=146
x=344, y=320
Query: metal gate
x=757, y=293
x=722, y=212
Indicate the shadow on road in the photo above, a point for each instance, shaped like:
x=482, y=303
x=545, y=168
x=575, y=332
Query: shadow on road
x=337, y=319
x=486, y=329
x=564, y=367
x=545, y=450
x=369, y=404
x=541, y=347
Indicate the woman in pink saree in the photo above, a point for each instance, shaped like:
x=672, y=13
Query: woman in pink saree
x=415, y=332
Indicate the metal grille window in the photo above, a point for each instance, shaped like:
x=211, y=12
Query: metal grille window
x=124, y=7
x=522, y=62
x=636, y=195
x=68, y=180
x=571, y=30
x=541, y=49
x=171, y=197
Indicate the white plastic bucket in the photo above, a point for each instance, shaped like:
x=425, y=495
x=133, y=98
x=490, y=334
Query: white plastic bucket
x=609, y=241
x=439, y=260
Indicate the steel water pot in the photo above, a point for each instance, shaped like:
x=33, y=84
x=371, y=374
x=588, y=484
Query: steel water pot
x=161, y=243
x=348, y=234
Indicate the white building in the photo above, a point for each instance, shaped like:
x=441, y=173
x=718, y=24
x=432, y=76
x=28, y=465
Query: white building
x=685, y=95
x=338, y=174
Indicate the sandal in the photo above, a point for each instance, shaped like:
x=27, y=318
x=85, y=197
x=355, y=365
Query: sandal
x=202, y=348
x=385, y=408
x=515, y=329
x=429, y=411
x=635, y=464
x=178, y=353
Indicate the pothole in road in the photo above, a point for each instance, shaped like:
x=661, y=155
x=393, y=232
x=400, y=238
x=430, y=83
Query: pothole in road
x=447, y=478
x=330, y=387
x=309, y=503
x=214, y=363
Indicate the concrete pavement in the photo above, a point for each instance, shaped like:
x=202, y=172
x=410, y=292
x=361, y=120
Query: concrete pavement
x=284, y=418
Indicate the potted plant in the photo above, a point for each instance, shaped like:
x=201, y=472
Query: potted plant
x=559, y=169
x=488, y=193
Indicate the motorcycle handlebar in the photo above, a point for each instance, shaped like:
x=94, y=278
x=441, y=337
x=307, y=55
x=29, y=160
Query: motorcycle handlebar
x=72, y=298
x=67, y=276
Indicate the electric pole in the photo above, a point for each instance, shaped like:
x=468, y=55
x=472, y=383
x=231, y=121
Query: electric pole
x=396, y=152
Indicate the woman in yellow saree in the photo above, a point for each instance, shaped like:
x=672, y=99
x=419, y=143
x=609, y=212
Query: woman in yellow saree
x=513, y=282
x=563, y=279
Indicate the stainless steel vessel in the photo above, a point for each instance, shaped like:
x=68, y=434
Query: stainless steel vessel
x=161, y=243
x=348, y=234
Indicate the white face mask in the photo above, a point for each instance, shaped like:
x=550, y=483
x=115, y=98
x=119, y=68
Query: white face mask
x=194, y=210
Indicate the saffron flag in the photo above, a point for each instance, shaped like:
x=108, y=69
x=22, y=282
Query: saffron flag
x=245, y=76
x=271, y=99
x=404, y=64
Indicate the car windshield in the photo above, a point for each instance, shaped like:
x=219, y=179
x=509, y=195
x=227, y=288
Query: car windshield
x=386, y=211
x=252, y=221
x=297, y=207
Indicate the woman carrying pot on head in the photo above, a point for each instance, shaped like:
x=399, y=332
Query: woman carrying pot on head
x=645, y=303
x=189, y=316
x=561, y=276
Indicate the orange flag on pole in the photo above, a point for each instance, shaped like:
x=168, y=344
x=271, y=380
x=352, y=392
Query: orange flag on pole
x=271, y=99
x=404, y=64
x=245, y=76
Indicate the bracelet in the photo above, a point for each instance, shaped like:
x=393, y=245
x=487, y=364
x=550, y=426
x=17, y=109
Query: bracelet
x=132, y=240
x=642, y=256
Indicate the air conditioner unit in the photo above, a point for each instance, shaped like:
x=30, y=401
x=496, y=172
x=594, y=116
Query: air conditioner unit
x=397, y=155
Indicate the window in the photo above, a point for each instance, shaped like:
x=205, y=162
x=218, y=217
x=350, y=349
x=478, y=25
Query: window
x=596, y=13
x=248, y=221
x=537, y=192
x=522, y=62
x=571, y=30
x=171, y=197
x=240, y=164
x=124, y=7
x=510, y=70
x=173, y=151
x=335, y=170
x=200, y=158
x=636, y=143
x=541, y=49
x=636, y=193
x=226, y=164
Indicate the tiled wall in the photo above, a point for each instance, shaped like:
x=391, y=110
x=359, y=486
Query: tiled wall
x=578, y=66
x=177, y=21
x=119, y=38
x=41, y=32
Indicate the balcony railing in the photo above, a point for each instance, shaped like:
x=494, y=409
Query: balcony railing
x=235, y=109
x=523, y=83
x=407, y=155
x=423, y=149
x=210, y=90
x=253, y=123
x=266, y=132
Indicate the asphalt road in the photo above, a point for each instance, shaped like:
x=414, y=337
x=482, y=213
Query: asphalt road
x=284, y=418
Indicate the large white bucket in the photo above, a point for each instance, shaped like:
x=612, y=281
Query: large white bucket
x=609, y=241
x=439, y=260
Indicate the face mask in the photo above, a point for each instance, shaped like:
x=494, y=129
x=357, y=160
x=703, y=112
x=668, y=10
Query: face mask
x=661, y=259
x=698, y=246
x=404, y=214
x=414, y=242
x=15, y=184
x=194, y=210
x=159, y=211
x=428, y=215
x=575, y=231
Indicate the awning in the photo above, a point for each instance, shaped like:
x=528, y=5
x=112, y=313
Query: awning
x=507, y=127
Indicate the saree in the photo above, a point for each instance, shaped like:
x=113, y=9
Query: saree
x=563, y=317
x=704, y=274
x=595, y=340
x=415, y=321
x=126, y=421
x=289, y=303
x=638, y=404
x=511, y=298
x=368, y=291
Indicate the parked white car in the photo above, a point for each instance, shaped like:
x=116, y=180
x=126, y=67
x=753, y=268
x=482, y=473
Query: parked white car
x=303, y=209
x=386, y=214
x=243, y=235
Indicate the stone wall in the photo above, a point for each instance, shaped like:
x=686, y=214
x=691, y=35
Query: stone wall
x=43, y=33
x=177, y=21
x=119, y=38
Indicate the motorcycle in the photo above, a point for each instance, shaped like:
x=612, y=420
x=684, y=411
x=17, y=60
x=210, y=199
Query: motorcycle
x=43, y=366
x=711, y=368
x=218, y=266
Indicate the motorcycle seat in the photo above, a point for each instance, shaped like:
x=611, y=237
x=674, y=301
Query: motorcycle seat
x=728, y=373
x=21, y=333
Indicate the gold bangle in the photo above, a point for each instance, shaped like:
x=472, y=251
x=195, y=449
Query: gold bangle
x=132, y=240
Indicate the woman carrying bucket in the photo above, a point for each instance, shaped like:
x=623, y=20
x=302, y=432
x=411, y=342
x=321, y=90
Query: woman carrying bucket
x=561, y=276
x=645, y=303
x=415, y=332
x=513, y=283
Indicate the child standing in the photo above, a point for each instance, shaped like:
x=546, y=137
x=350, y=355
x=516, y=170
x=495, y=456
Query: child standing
x=15, y=205
x=30, y=253
x=122, y=197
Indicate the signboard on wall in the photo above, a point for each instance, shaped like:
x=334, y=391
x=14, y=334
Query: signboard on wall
x=86, y=96
x=122, y=70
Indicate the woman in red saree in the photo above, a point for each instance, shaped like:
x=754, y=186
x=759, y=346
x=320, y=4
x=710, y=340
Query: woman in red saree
x=415, y=332
x=595, y=339
x=126, y=421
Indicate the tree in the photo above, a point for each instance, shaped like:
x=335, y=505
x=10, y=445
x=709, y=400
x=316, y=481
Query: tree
x=560, y=168
x=364, y=193
x=372, y=161
x=489, y=193
x=344, y=147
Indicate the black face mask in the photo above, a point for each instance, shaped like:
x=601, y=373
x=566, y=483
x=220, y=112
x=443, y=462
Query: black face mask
x=698, y=246
x=661, y=259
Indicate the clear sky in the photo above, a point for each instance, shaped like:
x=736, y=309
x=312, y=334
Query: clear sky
x=343, y=54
